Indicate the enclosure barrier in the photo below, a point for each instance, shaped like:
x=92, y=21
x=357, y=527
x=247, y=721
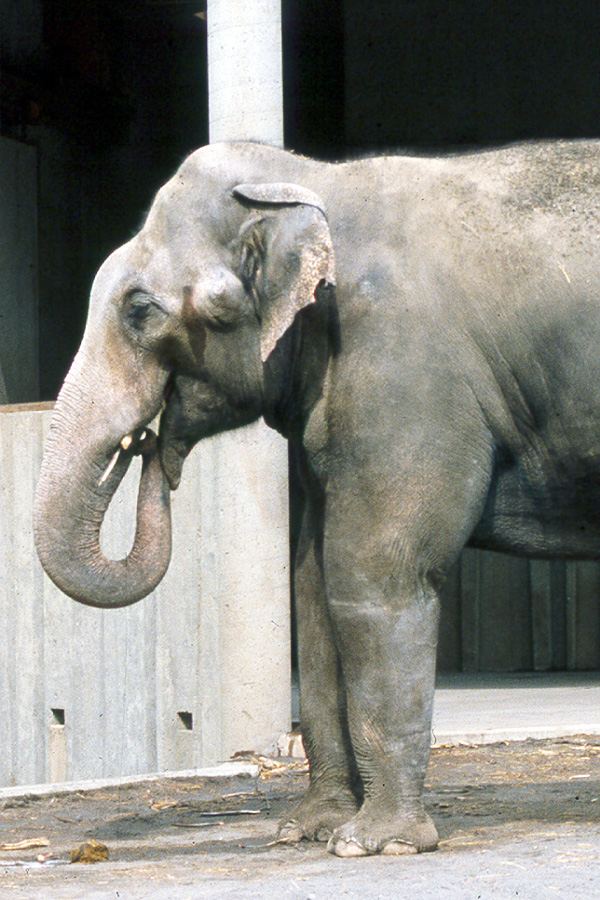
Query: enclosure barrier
x=180, y=680
x=174, y=682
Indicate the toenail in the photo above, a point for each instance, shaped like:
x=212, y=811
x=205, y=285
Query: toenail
x=346, y=849
x=398, y=848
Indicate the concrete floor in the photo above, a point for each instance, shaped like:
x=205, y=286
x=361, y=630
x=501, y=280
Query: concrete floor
x=485, y=709
x=516, y=820
x=505, y=833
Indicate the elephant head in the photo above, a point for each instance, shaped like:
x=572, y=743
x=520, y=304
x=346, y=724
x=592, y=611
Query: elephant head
x=182, y=319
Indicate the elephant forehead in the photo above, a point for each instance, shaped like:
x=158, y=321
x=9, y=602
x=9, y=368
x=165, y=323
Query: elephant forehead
x=197, y=209
x=172, y=198
x=114, y=275
x=160, y=267
x=181, y=235
x=178, y=209
x=171, y=266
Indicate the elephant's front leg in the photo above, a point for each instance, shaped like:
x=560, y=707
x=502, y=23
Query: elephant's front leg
x=386, y=622
x=334, y=791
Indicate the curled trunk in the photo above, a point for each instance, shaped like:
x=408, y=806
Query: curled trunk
x=76, y=486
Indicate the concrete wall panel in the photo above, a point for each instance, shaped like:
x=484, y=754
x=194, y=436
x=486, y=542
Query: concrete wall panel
x=173, y=682
x=505, y=614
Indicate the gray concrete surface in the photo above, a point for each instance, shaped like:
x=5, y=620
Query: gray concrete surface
x=567, y=864
x=192, y=673
x=483, y=708
x=515, y=820
x=250, y=550
x=486, y=708
x=245, y=76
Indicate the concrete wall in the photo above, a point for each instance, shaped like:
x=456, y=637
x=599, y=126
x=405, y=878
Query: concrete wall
x=161, y=685
x=89, y=693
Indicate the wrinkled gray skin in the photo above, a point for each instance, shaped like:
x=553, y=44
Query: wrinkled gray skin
x=445, y=392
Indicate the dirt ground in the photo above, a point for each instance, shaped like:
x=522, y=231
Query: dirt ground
x=480, y=798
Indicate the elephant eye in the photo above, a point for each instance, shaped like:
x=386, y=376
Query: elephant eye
x=250, y=265
x=144, y=319
x=142, y=313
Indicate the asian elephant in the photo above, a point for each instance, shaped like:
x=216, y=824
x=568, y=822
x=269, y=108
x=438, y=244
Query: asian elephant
x=426, y=333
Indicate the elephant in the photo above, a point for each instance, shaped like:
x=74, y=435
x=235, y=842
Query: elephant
x=425, y=332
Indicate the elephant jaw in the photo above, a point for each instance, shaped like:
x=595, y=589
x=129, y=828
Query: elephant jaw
x=171, y=457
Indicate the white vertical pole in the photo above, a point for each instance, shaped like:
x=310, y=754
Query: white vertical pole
x=252, y=546
x=245, y=80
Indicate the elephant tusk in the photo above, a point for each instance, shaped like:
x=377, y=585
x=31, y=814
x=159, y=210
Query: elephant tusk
x=127, y=441
x=124, y=444
x=110, y=467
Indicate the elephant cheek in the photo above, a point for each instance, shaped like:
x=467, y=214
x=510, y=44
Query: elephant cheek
x=172, y=456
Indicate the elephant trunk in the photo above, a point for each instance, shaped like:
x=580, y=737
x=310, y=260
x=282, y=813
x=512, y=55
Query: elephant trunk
x=80, y=474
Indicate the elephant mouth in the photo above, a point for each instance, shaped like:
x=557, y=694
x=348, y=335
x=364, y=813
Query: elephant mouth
x=133, y=444
x=143, y=440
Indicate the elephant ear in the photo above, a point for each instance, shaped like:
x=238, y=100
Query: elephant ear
x=286, y=253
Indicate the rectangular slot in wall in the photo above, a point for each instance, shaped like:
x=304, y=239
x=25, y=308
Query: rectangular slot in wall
x=186, y=721
x=58, y=716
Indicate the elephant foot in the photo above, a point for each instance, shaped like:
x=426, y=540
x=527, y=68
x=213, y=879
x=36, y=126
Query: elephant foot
x=370, y=831
x=316, y=817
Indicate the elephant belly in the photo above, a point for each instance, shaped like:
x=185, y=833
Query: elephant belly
x=531, y=516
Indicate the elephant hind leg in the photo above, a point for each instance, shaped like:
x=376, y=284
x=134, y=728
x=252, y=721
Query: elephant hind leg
x=335, y=791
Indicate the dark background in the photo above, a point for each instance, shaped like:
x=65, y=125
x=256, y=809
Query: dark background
x=113, y=94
